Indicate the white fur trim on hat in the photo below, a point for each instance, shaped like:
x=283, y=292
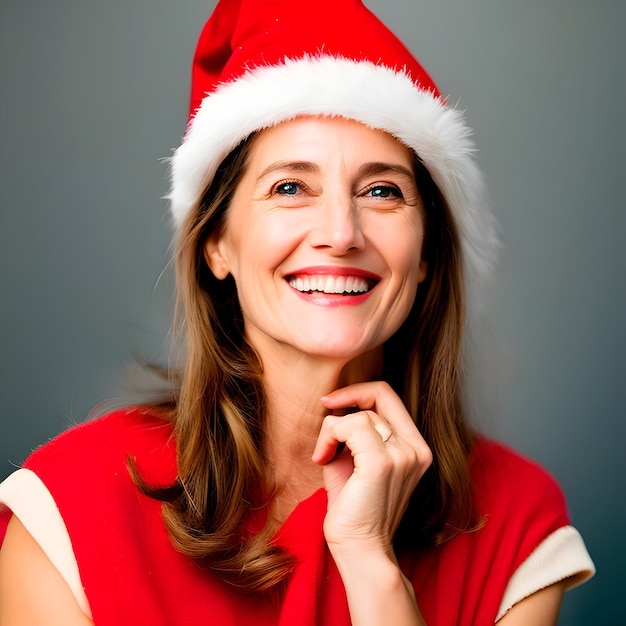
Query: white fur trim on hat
x=375, y=95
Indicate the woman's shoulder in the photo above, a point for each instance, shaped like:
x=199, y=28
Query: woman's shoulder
x=104, y=445
x=496, y=464
x=134, y=425
x=76, y=497
x=513, y=487
x=520, y=512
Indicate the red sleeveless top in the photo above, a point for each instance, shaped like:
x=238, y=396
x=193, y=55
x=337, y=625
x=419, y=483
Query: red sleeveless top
x=132, y=574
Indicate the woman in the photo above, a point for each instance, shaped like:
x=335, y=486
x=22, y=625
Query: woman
x=312, y=464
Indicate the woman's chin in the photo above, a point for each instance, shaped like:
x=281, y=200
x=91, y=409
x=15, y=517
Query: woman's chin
x=340, y=349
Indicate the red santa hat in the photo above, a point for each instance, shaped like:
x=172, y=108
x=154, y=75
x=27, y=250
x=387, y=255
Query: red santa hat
x=261, y=62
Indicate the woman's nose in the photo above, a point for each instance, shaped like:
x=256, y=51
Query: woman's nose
x=338, y=225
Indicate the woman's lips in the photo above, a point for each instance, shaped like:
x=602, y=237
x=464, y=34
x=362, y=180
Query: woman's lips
x=338, y=281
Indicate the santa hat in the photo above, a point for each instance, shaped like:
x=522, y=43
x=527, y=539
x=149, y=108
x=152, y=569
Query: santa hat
x=259, y=63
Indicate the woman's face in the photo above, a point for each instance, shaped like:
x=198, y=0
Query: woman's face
x=323, y=238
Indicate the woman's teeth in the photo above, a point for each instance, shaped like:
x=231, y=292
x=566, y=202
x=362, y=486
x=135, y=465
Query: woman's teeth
x=330, y=284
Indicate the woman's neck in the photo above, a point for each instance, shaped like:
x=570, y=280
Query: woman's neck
x=294, y=385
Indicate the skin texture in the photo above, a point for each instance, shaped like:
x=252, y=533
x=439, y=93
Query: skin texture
x=325, y=197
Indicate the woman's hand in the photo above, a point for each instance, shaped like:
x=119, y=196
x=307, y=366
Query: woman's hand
x=369, y=484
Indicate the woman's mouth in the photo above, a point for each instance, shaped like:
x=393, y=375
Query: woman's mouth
x=348, y=285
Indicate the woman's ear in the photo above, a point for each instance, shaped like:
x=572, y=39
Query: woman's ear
x=214, y=257
x=423, y=270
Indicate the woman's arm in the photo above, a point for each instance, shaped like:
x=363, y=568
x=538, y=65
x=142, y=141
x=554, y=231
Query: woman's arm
x=539, y=609
x=369, y=485
x=32, y=592
x=377, y=591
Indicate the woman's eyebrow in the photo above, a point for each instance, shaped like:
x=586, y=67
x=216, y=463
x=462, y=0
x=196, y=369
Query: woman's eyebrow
x=293, y=166
x=371, y=169
x=367, y=169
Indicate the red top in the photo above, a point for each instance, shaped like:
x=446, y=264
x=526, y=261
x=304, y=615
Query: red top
x=132, y=575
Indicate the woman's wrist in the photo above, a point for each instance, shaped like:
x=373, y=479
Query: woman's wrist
x=377, y=590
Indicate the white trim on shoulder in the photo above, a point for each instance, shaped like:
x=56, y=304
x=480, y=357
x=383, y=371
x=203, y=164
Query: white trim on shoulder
x=24, y=493
x=562, y=555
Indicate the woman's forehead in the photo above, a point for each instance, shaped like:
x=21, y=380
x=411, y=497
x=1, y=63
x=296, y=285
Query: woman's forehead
x=313, y=136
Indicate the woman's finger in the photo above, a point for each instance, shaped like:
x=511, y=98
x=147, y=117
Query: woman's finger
x=380, y=398
x=362, y=432
x=370, y=482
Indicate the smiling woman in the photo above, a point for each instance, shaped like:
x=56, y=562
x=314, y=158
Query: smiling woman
x=329, y=231
x=312, y=463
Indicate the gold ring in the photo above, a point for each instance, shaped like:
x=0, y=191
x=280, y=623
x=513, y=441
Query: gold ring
x=384, y=431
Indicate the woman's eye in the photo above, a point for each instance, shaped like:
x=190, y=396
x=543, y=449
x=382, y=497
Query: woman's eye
x=288, y=188
x=384, y=192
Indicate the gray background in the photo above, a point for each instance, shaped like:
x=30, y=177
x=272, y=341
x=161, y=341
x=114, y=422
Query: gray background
x=94, y=94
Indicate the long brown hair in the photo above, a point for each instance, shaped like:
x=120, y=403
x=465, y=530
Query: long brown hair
x=218, y=411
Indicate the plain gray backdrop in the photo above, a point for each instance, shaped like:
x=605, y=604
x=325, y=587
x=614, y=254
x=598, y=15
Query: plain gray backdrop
x=94, y=94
